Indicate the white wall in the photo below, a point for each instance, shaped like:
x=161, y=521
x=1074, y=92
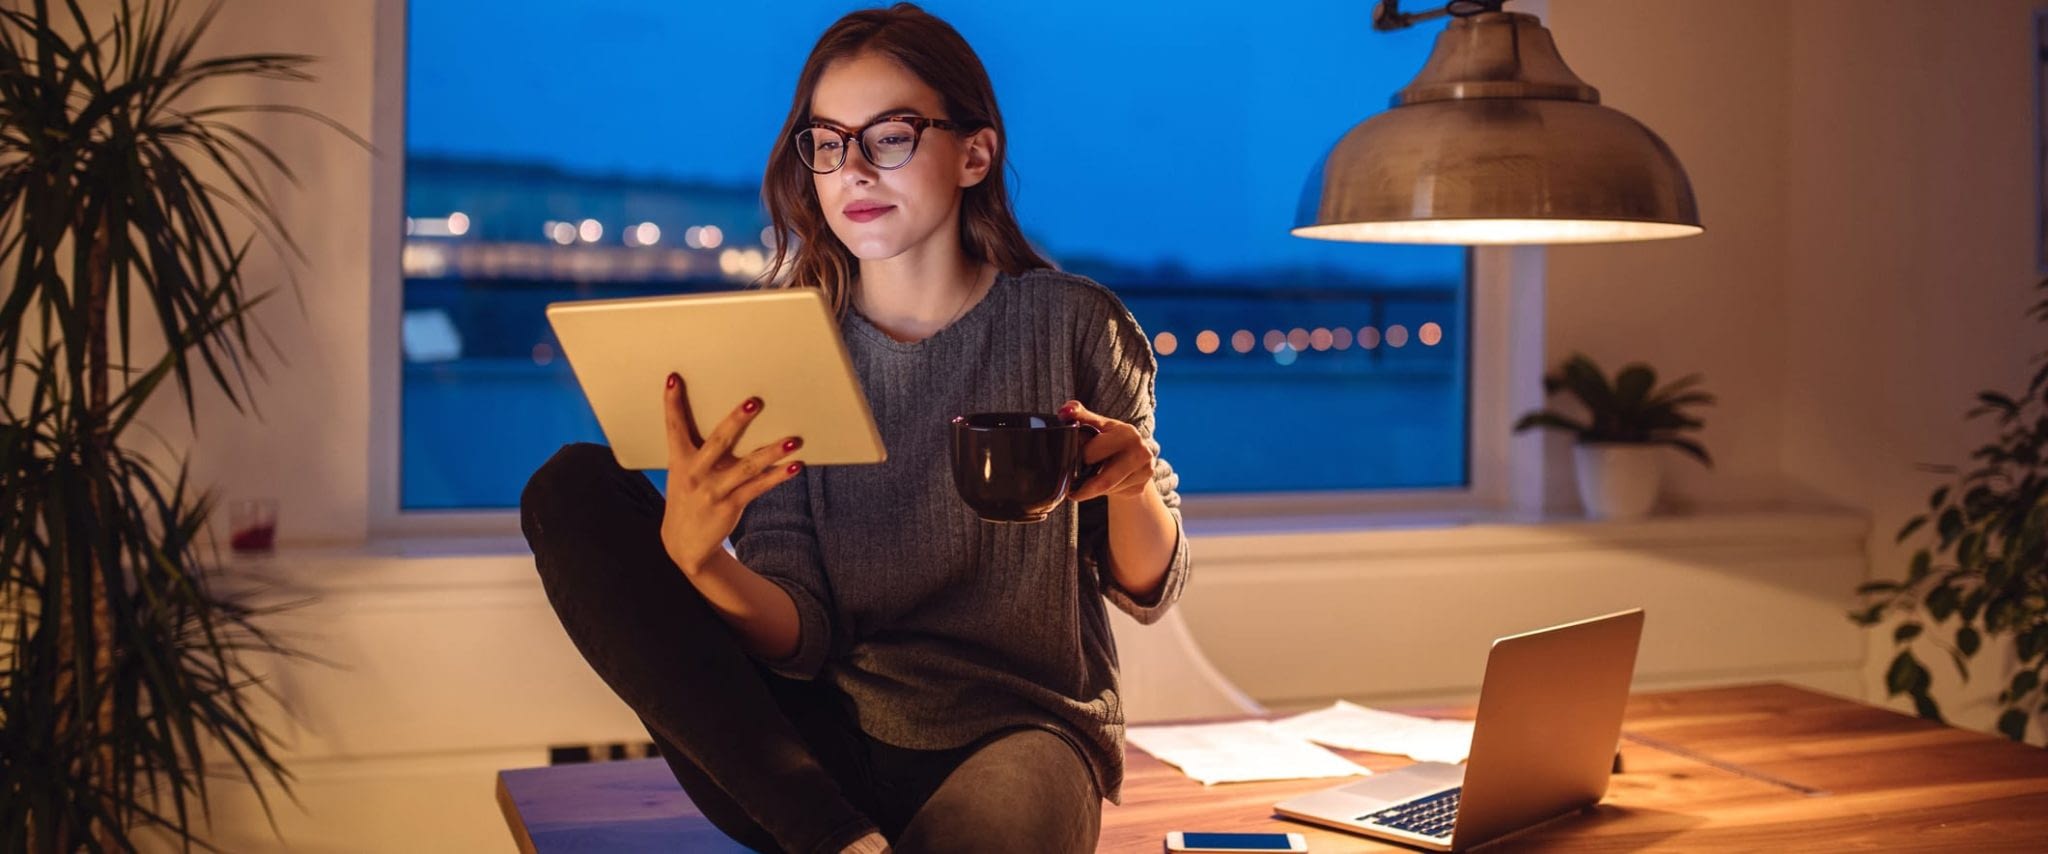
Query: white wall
x=1867, y=175
x=310, y=446
x=1913, y=207
x=1710, y=79
x=1864, y=169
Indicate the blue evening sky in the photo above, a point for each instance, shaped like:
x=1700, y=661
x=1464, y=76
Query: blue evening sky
x=1139, y=130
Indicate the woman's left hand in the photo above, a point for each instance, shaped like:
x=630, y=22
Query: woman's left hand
x=1124, y=460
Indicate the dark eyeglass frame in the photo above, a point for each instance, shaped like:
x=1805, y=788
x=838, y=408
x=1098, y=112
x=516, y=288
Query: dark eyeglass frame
x=918, y=125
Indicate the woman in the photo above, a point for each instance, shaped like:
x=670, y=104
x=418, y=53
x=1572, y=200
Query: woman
x=875, y=664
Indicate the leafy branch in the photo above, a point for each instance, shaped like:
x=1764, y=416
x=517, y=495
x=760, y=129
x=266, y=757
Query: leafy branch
x=1983, y=573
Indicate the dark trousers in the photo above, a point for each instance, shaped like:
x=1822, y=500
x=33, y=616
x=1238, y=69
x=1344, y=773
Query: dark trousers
x=777, y=764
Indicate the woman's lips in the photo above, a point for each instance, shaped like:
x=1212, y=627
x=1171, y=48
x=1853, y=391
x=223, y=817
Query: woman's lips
x=865, y=214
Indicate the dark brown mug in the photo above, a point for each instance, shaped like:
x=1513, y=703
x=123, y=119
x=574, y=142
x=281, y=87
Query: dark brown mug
x=1017, y=466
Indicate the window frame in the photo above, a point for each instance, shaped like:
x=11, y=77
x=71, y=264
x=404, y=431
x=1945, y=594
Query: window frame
x=1504, y=354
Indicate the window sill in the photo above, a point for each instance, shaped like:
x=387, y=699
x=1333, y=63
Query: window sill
x=421, y=563
x=1477, y=532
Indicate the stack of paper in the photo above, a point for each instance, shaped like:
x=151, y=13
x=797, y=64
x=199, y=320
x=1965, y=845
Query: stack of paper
x=1239, y=752
x=1353, y=727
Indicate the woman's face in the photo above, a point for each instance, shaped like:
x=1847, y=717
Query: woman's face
x=921, y=198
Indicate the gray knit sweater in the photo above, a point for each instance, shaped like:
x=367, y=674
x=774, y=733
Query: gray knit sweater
x=941, y=627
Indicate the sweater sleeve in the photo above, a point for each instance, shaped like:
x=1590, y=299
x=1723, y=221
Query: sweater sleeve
x=1116, y=369
x=776, y=538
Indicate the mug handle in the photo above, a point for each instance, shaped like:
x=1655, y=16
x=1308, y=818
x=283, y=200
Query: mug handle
x=1084, y=470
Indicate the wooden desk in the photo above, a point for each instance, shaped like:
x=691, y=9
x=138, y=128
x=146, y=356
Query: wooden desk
x=1749, y=767
x=1742, y=768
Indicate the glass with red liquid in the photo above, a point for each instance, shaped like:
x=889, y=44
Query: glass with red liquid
x=252, y=525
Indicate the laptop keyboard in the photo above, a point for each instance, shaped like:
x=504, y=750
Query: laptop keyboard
x=1429, y=816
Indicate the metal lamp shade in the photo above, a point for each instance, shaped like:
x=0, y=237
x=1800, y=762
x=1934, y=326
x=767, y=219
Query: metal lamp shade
x=1497, y=142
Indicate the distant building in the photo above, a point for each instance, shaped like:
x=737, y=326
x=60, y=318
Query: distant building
x=480, y=219
x=490, y=243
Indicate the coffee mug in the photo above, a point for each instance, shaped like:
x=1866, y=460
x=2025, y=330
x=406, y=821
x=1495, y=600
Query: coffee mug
x=1017, y=466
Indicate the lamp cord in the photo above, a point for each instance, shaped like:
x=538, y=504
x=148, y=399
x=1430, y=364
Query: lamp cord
x=1387, y=15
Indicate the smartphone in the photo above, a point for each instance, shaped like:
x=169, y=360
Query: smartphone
x=1195, y=842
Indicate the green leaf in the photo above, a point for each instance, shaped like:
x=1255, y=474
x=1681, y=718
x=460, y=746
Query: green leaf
x=1583, y=378
x=1996, y=574
x=1673, y=388
x=1906, y=632
x=1971, y=605
x=1998, y=613
x=1923, y=563
x=2023, y=682
x=1693, y=449
x=1999, y=402
x=1923, y=703
x=1869, y=587
x=1906, y=675
x=1698, y=398
x=1911, y=525
x=1868, y=616
x=1551, y=420
x=1632, y=387
x=1665, y=421
x=1969, y=548
x=1967, y=640
x=1934, y=501
x=1981, y=500
x=2033, y=642
x=1941, y=602
x=1951, y=526
x=2013, y=724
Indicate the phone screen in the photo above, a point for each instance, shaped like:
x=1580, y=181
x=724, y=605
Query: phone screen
x=1251, y=841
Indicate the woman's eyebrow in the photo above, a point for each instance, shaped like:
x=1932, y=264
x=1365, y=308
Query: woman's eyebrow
x=892, y=111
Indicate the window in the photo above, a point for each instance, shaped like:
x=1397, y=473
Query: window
x=616, y=150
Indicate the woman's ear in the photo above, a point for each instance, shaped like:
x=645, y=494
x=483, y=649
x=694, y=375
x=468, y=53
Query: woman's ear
x=980, y=154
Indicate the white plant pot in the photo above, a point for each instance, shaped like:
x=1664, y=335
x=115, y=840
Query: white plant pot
x=1617, y=480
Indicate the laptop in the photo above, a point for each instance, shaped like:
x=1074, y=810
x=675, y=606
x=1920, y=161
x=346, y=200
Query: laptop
x=1543, y=746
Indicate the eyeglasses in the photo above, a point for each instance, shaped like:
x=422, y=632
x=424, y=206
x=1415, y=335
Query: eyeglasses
x=886, y=142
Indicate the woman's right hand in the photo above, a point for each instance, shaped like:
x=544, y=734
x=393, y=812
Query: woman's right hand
x=707, y=485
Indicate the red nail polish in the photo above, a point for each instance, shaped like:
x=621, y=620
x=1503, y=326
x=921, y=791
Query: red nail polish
x=673, y=379
x=792, y=445
x=1066, y=412
x=795, y=467
x=753, y=404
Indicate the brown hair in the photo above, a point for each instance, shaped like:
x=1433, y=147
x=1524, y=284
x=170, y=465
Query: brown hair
x=931, y=49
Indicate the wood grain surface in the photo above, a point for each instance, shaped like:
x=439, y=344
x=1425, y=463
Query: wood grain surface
x=1754, y=767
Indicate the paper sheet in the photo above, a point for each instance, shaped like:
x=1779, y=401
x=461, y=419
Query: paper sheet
x=1239, y=752
x=1354, y=727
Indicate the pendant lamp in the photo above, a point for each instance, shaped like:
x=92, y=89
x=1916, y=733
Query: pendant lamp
x=1496, y=141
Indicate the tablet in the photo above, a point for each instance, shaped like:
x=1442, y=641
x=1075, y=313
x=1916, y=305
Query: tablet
x=781, y=345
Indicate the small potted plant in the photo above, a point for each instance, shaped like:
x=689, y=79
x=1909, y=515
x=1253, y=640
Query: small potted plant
x=1626, y=423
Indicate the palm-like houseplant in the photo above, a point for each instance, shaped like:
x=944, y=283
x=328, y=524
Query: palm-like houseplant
x=1982, y=574
x=1625, y=421
x=122, y=669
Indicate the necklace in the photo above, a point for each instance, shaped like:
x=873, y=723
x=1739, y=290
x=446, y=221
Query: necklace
x=964, y=303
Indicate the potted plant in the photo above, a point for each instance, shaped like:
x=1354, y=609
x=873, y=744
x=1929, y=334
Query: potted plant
x=1625, y=423
x=1981, y=574
x=122, y=667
